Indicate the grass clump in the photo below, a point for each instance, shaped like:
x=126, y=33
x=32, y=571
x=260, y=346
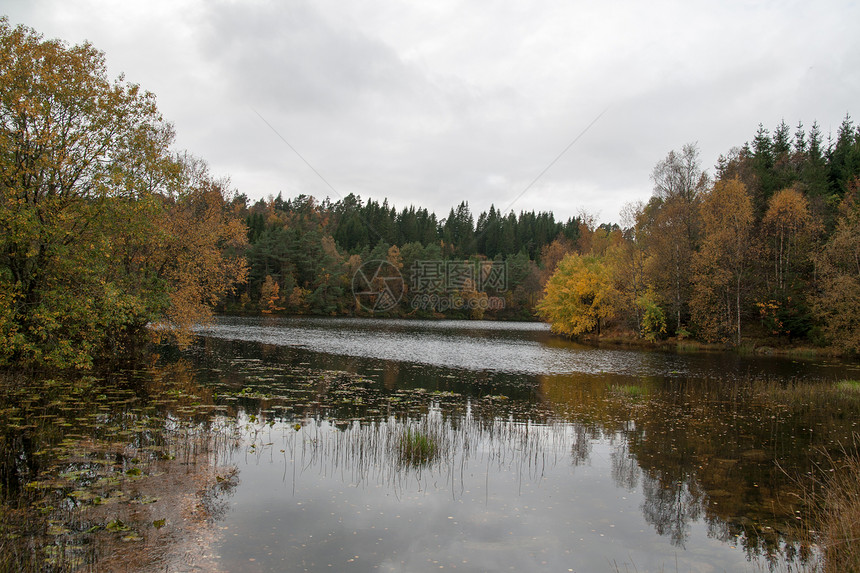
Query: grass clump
x=849, y=385
x=630, y=390
x=838, y=514
x=417, y=447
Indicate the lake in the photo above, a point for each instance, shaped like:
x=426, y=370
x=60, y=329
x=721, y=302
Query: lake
x=399, y=445
x=553, y=456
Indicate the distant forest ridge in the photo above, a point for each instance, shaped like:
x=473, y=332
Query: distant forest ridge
x=356, y=225
x=822, y=168
x=757, y=245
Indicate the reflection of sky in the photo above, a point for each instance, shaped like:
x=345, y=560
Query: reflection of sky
x=496, y=517
x=526, y=348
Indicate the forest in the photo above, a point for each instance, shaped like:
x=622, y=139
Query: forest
x=109, y=235
x=767, y=249
x=303, y=256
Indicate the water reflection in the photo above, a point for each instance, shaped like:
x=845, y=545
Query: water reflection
x=549, y=471
x=694, y=460
x=725, y=452
x=626, y=473
x=524, y=348
x=368, y=454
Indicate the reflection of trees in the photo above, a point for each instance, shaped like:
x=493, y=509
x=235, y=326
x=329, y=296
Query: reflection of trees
x=706, y=449
x=580, y=449
x=670, y=506
x=625, y=470
x=370, y=450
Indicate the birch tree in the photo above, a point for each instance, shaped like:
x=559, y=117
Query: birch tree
x=722, y=264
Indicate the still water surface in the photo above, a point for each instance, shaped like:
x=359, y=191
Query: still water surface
x=506, y=347
x=549, y=456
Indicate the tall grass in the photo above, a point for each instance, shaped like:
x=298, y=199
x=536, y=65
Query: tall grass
x=838, y=513
x=849, y=385
x=417, y=447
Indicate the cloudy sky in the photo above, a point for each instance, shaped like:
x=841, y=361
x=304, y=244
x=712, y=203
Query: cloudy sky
x=431, y=102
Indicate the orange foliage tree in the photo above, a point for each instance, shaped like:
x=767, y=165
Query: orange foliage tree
x=103, y=230
x=838, y=304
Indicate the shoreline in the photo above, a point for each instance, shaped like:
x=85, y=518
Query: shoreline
x=749, y=347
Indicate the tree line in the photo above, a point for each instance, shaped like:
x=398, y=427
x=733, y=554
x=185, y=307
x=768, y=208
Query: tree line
x=768, y=249
x=303, y=255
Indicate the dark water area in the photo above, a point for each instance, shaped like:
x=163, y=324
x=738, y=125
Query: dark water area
x=387, y=445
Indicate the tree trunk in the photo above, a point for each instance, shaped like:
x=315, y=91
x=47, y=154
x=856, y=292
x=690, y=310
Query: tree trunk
x=738, y=303
x=678, y=287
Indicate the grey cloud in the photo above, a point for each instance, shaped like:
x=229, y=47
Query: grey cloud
x=433, y=103
x=288, y=55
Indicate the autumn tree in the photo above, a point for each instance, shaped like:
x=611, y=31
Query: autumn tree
x=96, y=211
x=626, y=258
x=670, y=226
x=838, y=305
x=551, y=255
x=606, y=236
x=270, y=296
x=579, y=297
x=722, y=263
x=586, y=225
x=199, y=254
x=789, y=231
x=787, y=223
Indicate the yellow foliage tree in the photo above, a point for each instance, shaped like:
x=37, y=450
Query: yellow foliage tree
x=579, y=296
x=787, y=222
x=721, y=265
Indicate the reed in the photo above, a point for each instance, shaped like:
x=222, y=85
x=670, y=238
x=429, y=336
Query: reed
x=837, y=512
x=849, y=385
x=417, y=447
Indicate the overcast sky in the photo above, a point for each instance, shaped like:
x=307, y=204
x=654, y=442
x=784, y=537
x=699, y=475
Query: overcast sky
x=432, y=102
